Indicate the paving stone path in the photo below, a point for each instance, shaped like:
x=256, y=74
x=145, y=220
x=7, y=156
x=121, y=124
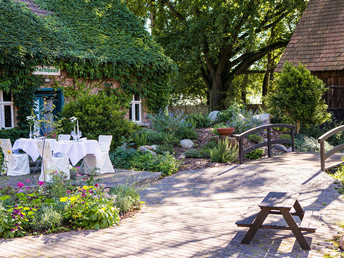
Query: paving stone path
x=193, y=214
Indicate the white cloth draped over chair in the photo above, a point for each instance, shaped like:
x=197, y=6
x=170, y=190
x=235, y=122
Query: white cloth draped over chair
x=63, y=137
x=104, y=165
x=17, y=164
x=50, y=164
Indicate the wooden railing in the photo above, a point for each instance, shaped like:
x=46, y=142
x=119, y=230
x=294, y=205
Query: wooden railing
x=269, y=142
x=322, y=139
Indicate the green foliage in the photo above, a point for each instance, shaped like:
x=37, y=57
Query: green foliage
x=127, y=197
x=98, y=115
x=199, y=120
x=255, y=154
x=213, y=41
x=193, y=153
x=164, y=148
x=298, y=96
x=47, y=218
x=122, y=156
x=89, y=40
x=309, y=144
x=166, y=164
x=154, y=137
x=140, y=138
x=186, y=133
x=339, y=174
x=224, y=152
x=284, y=137
x=14, y=133
x=255, y=138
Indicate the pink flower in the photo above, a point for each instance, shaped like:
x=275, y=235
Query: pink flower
x=90, y=191
x=77, y=167
x=41, y=183
x=68, y=192
x=20, y=185
x=83, y=195
x=84, y=178
x=27, y=180
x=27, y=188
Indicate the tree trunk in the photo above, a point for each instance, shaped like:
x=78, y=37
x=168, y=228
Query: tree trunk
x=243, y=88
x=217, y=95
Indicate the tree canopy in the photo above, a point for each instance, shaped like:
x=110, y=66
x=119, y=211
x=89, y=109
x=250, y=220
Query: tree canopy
x=218, y=40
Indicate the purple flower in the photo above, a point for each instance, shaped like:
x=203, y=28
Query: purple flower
x=20, y=185
x=83, y=195
x=90, y=191
x=13, y=229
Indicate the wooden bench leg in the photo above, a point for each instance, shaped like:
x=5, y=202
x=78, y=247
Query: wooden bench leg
x=299, y=209
x=256, y=225
x=295, y=229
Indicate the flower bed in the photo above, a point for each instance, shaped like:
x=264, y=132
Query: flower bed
x=30, y=209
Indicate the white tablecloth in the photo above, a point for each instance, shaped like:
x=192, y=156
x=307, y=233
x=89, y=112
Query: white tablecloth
x=75, y=151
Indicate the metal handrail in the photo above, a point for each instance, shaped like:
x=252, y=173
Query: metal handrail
x=268, y=127
x=322, y=139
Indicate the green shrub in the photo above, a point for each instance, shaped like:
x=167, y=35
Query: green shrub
x=339, y=175
x=224, y=152
x=255, y=138
x=199, y=120
x=164, y=148
x=13, y=134
x=255, y=154
x=127, y=197
x=97, y=115
x=155, y=137
x=122, y=157
x=166, y=164
x=140, y=138
x=298, y=96
x=186, y=133
x=284, y=137
x=192, y=153
x=47, y=218
x=211, y=144
x=309, y=144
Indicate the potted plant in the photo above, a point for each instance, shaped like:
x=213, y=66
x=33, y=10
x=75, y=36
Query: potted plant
x=225, y=129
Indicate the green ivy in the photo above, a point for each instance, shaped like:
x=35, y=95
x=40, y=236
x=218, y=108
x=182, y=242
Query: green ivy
x=90, y=40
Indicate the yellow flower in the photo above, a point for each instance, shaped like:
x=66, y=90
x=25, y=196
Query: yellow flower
x=63, y=199
x=9, y=151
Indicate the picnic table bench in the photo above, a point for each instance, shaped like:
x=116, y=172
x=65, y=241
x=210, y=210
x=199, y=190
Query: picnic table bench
x=280, y=203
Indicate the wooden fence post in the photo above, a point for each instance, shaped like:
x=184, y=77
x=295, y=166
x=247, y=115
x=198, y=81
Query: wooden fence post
x=293, y=139
x=269, y=142
x=322, y=156
x=241, y=150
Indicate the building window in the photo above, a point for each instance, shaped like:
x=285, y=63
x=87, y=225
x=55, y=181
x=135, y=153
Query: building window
x=135, y=109
x=6, y=110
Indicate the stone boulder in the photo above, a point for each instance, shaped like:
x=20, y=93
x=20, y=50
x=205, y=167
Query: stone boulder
x=213, y=115
x=154, y=147
x=263, y=118
x=143, y=149
x=341, y=243
x=186, y=143
x=280, y=147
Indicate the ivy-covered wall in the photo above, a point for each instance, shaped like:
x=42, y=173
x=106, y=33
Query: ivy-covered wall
x=89, y=39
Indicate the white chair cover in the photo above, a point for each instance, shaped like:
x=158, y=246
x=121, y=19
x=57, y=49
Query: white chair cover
x=105, y=165
x=63, y=137
x=17, y=164
x=50, y=164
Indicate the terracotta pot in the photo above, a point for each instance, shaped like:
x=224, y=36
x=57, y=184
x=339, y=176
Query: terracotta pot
x=225, y=131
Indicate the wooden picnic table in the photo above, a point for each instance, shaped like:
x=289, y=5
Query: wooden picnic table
x=286, y=205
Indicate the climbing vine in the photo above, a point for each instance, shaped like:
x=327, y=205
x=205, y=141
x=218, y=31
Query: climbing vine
x=90, y=40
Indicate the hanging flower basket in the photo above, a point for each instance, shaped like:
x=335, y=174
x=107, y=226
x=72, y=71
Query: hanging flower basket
x=225, y=131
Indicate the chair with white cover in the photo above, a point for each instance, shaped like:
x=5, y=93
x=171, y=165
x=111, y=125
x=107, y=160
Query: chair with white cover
x=63, y=137
x=105, y=165
x=50, y=163
x=17, y=164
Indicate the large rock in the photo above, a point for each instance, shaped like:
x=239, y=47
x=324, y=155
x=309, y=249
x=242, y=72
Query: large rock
x=186, y=143
x=341, y=243
x=213, y=115
x=263, y=118
x=280, y=147
x=143, y=149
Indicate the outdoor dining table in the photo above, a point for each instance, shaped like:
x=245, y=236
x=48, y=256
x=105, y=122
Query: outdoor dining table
x=74, y=150
x=280, y=203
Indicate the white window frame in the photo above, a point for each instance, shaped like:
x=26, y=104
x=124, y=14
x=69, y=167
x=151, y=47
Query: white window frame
x=2, y=110
x=133, y=110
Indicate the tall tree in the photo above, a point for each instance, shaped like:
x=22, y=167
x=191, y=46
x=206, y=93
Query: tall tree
x=220, y=38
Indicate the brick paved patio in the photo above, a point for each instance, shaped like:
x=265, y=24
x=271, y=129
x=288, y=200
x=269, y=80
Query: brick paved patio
x=193, y=214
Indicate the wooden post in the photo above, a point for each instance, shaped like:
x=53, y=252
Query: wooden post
x=322, y=156
x=241, y=150
x=293, y=139
x=269, y=142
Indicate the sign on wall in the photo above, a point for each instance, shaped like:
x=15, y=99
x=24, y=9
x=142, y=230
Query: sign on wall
x=46, y=70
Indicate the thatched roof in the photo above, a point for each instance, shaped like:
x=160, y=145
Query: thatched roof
x=318, y=41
